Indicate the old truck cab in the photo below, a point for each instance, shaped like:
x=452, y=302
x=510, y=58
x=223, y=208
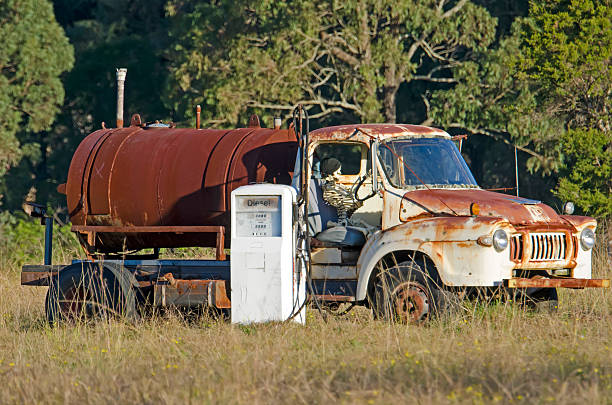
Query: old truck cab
x=423, y=229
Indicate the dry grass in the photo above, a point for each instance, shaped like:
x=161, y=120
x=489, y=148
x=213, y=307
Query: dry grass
x=497, y=353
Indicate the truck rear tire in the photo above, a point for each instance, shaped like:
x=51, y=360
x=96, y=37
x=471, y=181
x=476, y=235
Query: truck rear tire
x=86, y=291
x=406, y=294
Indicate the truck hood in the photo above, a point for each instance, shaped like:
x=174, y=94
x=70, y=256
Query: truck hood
x=517, y=210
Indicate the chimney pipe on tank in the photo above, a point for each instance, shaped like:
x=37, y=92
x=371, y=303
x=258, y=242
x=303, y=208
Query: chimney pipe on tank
x=121, y=73
x=198, y=113
x=277, y=122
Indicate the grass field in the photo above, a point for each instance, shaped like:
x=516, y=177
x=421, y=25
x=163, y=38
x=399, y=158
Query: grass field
x=486, y=354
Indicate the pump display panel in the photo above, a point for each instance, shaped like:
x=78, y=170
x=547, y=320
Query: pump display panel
x=258, y=216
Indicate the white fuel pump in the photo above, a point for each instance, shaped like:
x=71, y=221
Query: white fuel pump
x=267, y=283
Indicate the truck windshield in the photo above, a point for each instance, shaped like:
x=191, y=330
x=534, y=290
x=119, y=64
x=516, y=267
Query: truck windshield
x=418, y=161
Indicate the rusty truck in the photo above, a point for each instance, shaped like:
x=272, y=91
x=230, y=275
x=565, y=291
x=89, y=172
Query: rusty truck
x=424, y=232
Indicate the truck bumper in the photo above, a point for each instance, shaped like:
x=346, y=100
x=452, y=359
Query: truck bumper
x=557, y=283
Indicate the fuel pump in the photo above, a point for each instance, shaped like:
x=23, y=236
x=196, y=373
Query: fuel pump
x=267, y=283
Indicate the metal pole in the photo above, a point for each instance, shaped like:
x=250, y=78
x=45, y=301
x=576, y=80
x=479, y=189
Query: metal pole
x=48, y=240
x=516, y=172
x=121, y=73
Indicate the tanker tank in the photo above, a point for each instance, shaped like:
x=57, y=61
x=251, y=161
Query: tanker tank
x=154, y=187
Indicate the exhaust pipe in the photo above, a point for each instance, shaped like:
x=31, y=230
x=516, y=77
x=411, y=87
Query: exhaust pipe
x=121, y=73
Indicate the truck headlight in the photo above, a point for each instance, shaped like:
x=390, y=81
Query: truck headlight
x=587, y=238
x=500, y=240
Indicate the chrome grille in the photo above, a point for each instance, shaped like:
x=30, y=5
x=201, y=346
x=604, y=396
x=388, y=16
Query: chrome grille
x=548, y=246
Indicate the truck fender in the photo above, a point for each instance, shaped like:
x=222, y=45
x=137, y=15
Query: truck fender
x=375, y=250
x=425, y=236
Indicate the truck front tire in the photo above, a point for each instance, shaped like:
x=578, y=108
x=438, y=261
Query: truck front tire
x=406, y=294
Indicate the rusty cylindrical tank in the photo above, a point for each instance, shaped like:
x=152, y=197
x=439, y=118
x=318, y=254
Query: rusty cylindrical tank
x=147, y=176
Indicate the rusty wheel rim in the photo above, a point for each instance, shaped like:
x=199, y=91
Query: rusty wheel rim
x=410, y=302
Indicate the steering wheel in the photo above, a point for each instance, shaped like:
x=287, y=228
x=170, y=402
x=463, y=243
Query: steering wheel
x=358, y=183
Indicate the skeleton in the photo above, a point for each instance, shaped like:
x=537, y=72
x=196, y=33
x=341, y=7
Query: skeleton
x=341, y=198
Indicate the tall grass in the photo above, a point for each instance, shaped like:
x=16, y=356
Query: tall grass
x=22, y=242
x=495, y=353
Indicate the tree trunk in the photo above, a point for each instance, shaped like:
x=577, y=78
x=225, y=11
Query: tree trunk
x=389, y=104
x=389, y=93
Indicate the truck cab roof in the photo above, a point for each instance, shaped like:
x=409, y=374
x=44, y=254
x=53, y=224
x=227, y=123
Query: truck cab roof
x=365, y=132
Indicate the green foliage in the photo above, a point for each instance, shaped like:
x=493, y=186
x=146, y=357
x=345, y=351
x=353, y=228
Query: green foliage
x=546, y=88
x=106, y=35
x=35, y=52
x=444, y=63
x=587, y=171
x=568, y=55
x=342, y=60
x=22, y=241
x=492, y=99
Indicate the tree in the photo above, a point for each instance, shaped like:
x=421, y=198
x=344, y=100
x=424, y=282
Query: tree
x=339, y=59
x=587, y=171
x=547, y=89
x=106, y=35
x=35, y=52
x=492, y=98
x=568, y=52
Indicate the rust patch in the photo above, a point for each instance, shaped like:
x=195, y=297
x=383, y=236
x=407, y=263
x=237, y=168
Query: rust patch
x=538, y=247
x=142, y=176
x=557, y=283
x=172, y=291
x=32, y=274
x=220, y=297
x=36, y=278
x=578, y=221
x=411, y=302
x=415, y=217
x=465, y=244
x=364, y=132
x=458, y=201
x=91, y=233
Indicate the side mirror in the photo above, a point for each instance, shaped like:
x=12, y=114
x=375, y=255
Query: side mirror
x=374, y=168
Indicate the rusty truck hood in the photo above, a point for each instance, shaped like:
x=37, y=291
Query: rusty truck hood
x=518, y=211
